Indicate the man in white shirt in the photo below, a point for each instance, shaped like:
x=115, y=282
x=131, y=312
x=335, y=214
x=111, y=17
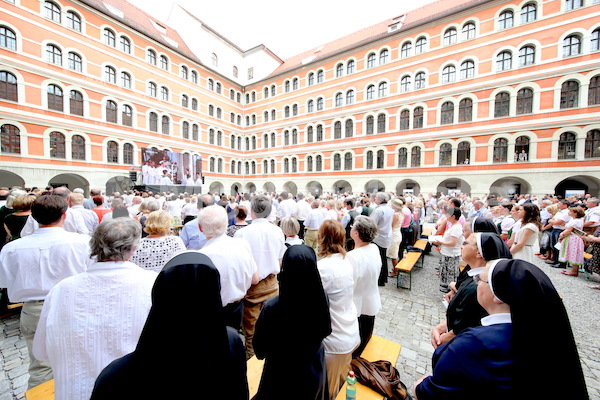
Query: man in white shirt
x=302, y=213
x=237, y=268
x=32, y=265
x=383, y=215
x=313, y=222
x=287, y=207
x=73, y=223
x=134, y=208
x=592, y=216
x=90, y=218
x=268, y=246
x=90, y=319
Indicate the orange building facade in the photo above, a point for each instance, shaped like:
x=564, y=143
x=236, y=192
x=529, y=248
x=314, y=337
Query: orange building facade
x=475, y=95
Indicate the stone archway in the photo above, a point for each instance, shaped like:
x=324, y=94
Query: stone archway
x=269, y=187
x=578, y=184
x=407, y=186
x=341, y=186
x=250, y=187
x=290, y=187
x=216, y=187
x=454, y=185
x=236, y=188
x=374, y=186
x=72, y=181
x=10, y=179
x=509, y=186
x=314, y=188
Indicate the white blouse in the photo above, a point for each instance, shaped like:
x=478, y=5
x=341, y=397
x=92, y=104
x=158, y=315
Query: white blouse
x=338, y=282
x=366, y=266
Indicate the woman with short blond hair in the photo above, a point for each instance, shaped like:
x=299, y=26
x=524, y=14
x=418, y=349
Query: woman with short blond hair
x=159, y=246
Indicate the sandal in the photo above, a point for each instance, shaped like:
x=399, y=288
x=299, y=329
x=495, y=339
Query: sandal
x=568, y=273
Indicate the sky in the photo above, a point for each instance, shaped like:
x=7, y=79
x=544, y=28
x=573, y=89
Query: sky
x=286, y=28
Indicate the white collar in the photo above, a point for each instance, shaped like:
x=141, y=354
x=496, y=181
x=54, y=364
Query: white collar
x=500, y=318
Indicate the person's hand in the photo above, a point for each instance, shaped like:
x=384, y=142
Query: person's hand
x=415, y=387
x=449, y=296
x=437, y=332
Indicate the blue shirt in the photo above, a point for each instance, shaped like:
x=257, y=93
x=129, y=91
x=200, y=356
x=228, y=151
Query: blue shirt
x=191, y=235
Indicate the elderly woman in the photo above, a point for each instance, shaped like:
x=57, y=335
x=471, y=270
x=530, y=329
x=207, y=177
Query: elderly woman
x=290, y=227
x=504, y=358
x=366, y=266
x=337, y=276
x=14, y=223
x=94, y=317
x=450, y=246
x=159, y=246
x=463, y=309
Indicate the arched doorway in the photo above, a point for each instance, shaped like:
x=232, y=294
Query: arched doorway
x=216, y=187
x=454, y=185
x=374, y=186
x=72, y=181
x=269, y=187
x=509, y=186
x=341, y=186
x=236, y=188
x=10, y=179
x=250, y=187
x=314, y=188
x=407, y=186
x=118, y=184
x=290, y=187
x=578, y=185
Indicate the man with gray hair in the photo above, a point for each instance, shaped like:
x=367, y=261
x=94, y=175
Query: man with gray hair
x=383, y=215
x=107, y=305
x=90, y=218
x=237, y=268
x=190, y=232
x=31, y=266
x=267, y=244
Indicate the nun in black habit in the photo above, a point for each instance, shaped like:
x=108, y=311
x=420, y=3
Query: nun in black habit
x=463, y=309
x=524, y=349
x=290, y=331
x=185, y=349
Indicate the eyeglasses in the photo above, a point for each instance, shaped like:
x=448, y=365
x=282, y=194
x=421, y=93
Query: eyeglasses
x=478, y=279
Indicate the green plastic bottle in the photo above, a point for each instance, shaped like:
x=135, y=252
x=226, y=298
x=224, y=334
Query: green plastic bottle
x=351, y=386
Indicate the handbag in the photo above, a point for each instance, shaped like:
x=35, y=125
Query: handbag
x=381, y=376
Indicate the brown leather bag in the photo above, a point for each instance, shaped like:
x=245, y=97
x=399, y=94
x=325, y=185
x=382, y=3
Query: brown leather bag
x=381, y=376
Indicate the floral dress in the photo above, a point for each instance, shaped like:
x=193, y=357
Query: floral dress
x=572, y=246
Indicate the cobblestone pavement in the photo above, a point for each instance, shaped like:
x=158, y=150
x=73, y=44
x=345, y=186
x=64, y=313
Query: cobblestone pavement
x=406, y=317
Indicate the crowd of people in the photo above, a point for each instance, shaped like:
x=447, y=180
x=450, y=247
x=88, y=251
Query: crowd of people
x=103, y=278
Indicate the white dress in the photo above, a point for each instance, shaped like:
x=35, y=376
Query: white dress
x=531, y=247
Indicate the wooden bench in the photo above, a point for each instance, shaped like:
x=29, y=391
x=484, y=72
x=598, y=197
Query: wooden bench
x=45, y=391
x=408, y=262
x=377, y=349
